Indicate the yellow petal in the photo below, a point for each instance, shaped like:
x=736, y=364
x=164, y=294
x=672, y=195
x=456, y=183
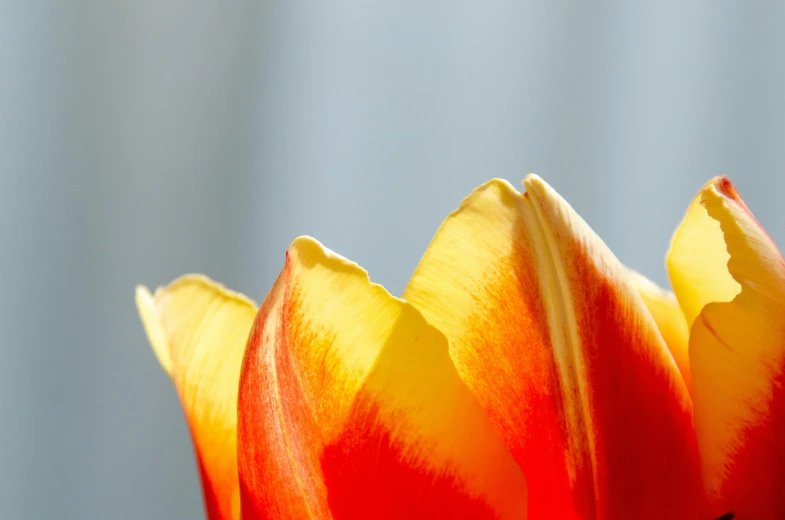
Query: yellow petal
x=350, y=407
x=549, y=333
x=665, y=310
x=151, y=320
x=198, y=330
x=737, y=352
x=698, y=263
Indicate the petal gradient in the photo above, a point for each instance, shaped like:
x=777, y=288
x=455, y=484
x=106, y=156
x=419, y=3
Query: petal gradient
x=737, y=350
x=548, y=331
x=350, y=407
x=198, y=329
x=667, y=314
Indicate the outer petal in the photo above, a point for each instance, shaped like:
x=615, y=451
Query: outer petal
x=665, y=310
x=350, y=407
x=549, y=333
x=737, y=351
x=198, y=330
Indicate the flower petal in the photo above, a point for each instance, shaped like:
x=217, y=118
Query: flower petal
x=737, y=351
x=549, y=333
x=198, y=330
x=350, y=407
x=698, y=263
x=667, y=314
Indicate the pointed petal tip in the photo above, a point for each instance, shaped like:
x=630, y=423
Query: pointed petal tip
x=495, y=181
x=153, y=327
x=499, y=184
x=533, y=178
x=501, y=189
x=726, y=187
x=149, y=305
x=720, y=187
x=305, y=241
x=143, y=296
x=308, y=253
x=541, y=191
x=307, y=248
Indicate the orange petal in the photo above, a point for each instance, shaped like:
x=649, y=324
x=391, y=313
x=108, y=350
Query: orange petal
x=198, y=330
x=350, y=407
x=547, y=330
x=665, y=310
x=737, y=350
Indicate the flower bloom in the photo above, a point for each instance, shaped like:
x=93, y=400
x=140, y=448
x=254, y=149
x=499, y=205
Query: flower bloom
x=525, y=373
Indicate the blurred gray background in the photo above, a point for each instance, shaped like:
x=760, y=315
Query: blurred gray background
x=141, y=140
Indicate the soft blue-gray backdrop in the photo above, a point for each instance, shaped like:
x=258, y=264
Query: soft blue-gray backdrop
x=141, y=140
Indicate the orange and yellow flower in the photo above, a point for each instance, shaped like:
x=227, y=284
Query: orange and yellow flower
x=525, y=373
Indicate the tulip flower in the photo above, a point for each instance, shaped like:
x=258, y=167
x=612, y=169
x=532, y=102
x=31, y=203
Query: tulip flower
x=525, y=373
